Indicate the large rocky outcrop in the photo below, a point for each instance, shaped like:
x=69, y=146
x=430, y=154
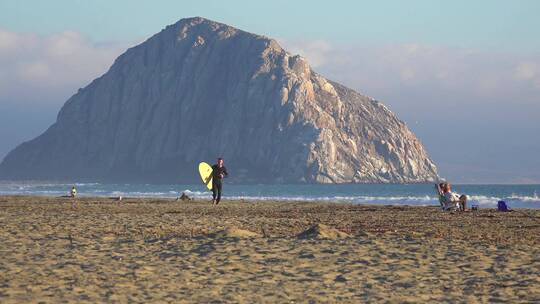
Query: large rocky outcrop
x=201, y=89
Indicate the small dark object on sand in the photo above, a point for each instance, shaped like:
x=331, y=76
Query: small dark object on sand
x=184, y=197
x=503, y=207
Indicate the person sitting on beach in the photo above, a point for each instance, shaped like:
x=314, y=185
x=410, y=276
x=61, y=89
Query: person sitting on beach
x=73, y=192
x=442, y=201
x=454, y=198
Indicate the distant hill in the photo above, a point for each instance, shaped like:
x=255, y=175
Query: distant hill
x=201, y=89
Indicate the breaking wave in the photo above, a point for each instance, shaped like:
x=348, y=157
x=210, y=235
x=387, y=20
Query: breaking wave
x=517, y=196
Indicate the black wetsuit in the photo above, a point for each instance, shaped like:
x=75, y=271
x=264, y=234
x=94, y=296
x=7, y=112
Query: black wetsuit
x=217, y=175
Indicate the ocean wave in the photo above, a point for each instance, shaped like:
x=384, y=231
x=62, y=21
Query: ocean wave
x=533, y=198
x=196, y=193
x=139, y=194
x=493, y=200
x=45, y=184
x=252, y=193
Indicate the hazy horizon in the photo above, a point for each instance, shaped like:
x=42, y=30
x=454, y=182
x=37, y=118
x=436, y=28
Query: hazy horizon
x=469, y=90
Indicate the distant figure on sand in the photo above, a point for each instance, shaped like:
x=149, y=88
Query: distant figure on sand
x=451, y=197
x=73, y=192
x=218, y=173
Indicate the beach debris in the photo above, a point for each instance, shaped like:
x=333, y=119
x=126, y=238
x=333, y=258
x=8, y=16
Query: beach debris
x=70, y=238
x=233, y=232
x=184, y=197
x=321, y=231
x=503, y=207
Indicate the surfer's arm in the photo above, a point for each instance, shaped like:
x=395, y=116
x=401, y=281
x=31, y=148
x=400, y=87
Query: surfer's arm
x=225, y=171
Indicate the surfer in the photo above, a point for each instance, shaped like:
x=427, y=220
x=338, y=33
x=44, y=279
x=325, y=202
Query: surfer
x=218, y=173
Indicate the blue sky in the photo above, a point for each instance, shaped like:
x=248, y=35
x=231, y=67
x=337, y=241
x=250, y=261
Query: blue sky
x=474, y=63
x=506, y=25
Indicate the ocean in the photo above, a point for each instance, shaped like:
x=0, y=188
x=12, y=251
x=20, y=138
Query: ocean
x=486, y=196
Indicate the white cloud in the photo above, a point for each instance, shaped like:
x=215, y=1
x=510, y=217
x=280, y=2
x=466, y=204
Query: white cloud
x=407, y=73
x=66, y=44
x=7, y=40
x=37, y=68
x=317, y=51
x=412, y=48
x=33, y=71
x=527, y=70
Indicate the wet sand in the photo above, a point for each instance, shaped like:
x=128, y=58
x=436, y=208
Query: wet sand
x=158, y=250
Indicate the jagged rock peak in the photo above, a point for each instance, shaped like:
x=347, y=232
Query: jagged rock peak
x=201, y=89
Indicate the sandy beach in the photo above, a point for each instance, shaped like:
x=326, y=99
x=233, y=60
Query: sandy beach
x=159, y=250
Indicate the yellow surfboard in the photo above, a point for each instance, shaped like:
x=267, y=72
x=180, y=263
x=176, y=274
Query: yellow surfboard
x=205, y=170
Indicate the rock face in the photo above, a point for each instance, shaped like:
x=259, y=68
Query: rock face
x=200, y=89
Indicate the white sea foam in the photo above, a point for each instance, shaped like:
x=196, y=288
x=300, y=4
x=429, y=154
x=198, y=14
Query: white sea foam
x=139, y=194
x=258, y=193
x=533, y=198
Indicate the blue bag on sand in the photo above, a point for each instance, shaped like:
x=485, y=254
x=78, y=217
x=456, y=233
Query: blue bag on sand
x=501, y=206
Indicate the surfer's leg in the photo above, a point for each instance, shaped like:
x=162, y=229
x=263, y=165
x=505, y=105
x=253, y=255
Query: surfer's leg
x=214, y=193
x=219, y=188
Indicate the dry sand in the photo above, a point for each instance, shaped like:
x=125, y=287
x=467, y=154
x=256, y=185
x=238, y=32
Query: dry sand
x=148, y=250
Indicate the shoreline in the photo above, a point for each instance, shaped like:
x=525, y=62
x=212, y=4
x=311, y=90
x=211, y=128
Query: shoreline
x=234, y=199
x=517, y=197
x=147, y=249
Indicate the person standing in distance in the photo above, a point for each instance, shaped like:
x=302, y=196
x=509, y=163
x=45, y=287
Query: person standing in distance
x=218, y=173
x=73, y=192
